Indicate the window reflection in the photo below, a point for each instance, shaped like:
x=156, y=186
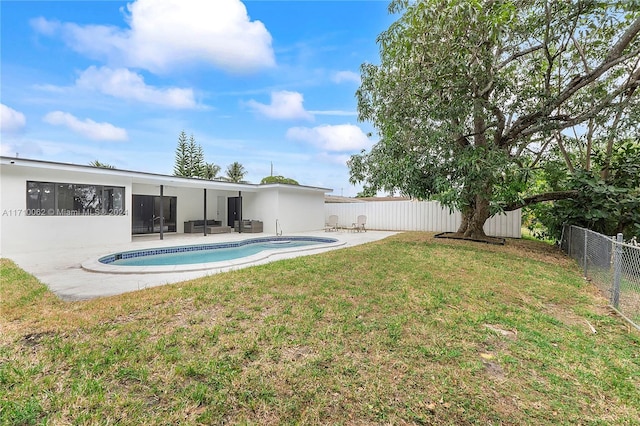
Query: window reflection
x=68, y=199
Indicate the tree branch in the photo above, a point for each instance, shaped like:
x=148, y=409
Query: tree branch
x=581, y=53
x=501, y=120
x=518, y=55
x=613, y=58
x=624, y=41
x=541, y=153
x=548, y=196
x=616, y=120
x=565, y=155
x=628, y=88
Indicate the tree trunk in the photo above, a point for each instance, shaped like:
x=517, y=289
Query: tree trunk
x=467, y=213
x=473, y=219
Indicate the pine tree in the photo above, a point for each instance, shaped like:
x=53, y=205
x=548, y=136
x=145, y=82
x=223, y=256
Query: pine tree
x=190, y=160
x=183, y=163
x=197, y=158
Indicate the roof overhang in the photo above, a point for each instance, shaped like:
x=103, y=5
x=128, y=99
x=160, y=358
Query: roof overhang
x=136, y=177
x=294, y=188
x=145, y=178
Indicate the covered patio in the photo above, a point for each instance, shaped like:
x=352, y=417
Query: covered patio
x=51, y=206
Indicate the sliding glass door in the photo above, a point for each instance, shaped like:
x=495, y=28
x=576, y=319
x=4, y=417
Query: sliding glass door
x=145, y=216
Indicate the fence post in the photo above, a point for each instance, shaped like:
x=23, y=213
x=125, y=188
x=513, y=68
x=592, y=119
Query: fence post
x=617, y=271
x=570, y=240
x=584, y=256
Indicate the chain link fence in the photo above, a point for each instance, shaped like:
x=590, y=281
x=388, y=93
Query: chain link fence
x=612, y=265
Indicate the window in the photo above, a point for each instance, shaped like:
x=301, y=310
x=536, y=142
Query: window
x=40, y=196
x=69, y=199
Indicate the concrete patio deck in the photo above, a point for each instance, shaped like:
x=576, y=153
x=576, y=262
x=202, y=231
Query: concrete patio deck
x=63, y=274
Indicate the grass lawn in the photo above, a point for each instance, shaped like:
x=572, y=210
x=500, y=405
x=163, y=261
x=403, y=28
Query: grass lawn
x=407, y=330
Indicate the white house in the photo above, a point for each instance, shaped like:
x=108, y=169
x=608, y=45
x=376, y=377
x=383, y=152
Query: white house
x=46, y=205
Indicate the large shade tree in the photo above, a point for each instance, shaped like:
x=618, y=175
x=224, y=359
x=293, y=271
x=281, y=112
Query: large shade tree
x=470, y=95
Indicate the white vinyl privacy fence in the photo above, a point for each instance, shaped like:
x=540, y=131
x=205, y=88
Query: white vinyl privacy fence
x=418, y=216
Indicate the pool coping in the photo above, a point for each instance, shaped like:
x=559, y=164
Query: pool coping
x=62, y=273
x=94, y=264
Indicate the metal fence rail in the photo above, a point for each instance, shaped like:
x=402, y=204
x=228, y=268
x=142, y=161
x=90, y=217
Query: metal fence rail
x=612, y=265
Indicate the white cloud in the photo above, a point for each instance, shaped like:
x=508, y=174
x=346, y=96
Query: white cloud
x=50, y=88
x=338, y=138
x=11, y=120
x=167, y=34
x=43, y=26
x=124, y=84
x=334, y=112
x=88, y=128
x=348, y=76
x=337, y=159
x=284, y=106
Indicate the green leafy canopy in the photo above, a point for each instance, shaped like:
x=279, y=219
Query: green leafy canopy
x=278, y=179
x=470, y=96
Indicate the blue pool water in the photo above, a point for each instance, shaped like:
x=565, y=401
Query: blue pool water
x=206, y=253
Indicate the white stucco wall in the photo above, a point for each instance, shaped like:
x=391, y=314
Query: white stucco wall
x=262, y=206
x=300, y=211
x=297, y=209
x=20, y=233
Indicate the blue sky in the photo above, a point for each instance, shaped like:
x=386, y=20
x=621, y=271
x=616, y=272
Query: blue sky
x=257, y=82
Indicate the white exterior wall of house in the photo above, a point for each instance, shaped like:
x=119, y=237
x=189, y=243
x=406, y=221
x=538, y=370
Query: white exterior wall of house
x=296, y=208
x=20, y=233
x=260, y=206
x=299, y=208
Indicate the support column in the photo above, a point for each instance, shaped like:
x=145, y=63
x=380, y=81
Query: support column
x=205, y=212
x=162, y=212
x=240, y=212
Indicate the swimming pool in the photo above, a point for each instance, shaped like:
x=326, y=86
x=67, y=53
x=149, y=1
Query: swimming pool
x=205, y=256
